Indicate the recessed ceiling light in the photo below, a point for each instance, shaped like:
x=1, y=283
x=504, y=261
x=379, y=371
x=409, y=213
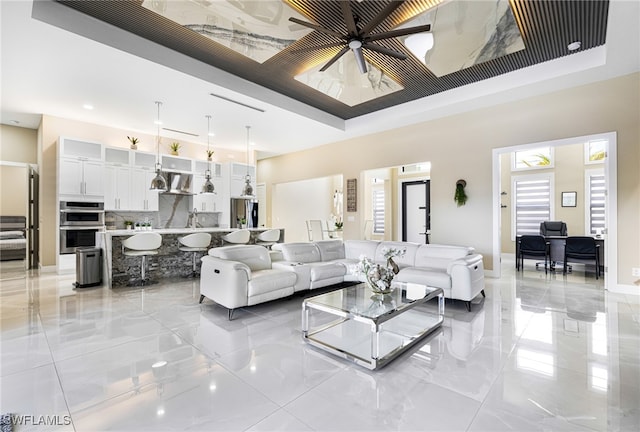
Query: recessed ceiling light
x=574, y=45
x=87, y=106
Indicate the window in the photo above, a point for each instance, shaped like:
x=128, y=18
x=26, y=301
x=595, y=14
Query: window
x=595, y=151
x=532, y=203
x=541, y=157
x=595, y=201
x=378, y=206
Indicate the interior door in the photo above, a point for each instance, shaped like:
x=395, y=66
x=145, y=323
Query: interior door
x=416, y=211
x=34, y=222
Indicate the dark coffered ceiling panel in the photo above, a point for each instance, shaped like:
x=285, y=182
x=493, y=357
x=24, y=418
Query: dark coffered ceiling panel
x=545, y=26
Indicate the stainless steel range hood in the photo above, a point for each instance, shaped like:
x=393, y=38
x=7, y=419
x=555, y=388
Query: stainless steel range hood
x=178, y=183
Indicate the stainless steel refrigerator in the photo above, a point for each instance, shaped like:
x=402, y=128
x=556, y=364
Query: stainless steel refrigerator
x=244, y=209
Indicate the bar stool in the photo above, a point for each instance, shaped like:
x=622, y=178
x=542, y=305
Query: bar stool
x=194, y=243
x=237, y=237
x=268, y=238
x=142, y=245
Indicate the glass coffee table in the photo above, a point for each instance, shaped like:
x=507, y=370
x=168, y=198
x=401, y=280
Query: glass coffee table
x=368, y=329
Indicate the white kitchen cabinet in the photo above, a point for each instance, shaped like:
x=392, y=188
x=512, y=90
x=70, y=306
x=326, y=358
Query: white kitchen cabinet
x=141, y=198
x=116, y=188
x=176, y=163
x=86, y=150
x=207, y=203
x=80, y=170
x=80, y=179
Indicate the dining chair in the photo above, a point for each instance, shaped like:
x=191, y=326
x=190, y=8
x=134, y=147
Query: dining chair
x=582, y=250
x=314, y=228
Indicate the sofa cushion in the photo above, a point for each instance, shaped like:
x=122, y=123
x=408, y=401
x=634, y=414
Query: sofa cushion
x=254, y=256
x=301, y=252
x=354, y=249
x=406, y=260
x=264, y=281
x=442, y=251
x=330, y=249
x=321, y=271
x=425, y=276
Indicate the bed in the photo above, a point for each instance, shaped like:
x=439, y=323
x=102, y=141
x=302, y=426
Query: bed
x=13, y=242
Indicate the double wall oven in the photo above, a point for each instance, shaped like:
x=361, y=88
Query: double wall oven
x=79, y=223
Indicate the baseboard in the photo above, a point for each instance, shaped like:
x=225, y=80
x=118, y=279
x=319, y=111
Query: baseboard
x=625, y=289
x=48, y=269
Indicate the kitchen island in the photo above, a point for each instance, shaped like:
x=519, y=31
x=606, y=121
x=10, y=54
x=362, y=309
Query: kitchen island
x=171, y=262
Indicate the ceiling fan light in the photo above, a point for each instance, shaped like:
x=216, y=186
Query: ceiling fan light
x=419, y=44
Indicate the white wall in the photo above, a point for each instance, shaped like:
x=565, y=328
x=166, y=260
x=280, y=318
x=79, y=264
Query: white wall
x=296, y=202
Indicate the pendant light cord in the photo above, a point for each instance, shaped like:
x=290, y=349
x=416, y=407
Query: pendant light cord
x=248, y=129
x=158, y=103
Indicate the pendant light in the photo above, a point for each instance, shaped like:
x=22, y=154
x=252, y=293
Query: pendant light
x=247, y=190
x=207, y=187
x=158, y=183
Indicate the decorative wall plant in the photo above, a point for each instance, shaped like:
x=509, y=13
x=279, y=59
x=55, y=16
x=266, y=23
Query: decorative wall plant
x=460, y=196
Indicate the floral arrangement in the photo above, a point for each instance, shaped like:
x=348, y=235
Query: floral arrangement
x=379, y=277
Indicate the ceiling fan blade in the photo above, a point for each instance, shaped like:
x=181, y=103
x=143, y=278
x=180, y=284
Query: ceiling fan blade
x=335, y=58
x=362, y=65
x=399, y=32
x=316, y=27
x=348, y=18
x=318, y=47
x=375, y=22
x=384, y=50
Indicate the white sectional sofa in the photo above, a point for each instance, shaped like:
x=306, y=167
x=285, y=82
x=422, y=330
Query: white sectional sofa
x=245, y=275
x=458, y=270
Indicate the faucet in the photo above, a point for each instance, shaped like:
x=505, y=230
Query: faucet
x=194, y=218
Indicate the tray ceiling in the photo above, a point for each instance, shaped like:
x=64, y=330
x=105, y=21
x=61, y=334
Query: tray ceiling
x=256, y=41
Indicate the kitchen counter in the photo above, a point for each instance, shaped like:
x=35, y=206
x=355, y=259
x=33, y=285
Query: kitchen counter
x=170, y=262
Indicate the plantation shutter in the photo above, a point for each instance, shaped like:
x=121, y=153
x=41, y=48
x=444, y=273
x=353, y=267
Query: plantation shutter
x=532, y=205
x=597, y=196
x=378, y=211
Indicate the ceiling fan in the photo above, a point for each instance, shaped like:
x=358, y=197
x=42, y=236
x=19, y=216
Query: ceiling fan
x=359, y=38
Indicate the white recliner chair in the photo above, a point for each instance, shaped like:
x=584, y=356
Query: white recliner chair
x=195, y=243
x=142, y=245
x=242, y=275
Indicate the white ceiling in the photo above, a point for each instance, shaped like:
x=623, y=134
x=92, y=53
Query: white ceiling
x=47, y=70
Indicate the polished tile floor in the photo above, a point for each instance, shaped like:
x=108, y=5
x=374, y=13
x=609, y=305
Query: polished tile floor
x=539, y=353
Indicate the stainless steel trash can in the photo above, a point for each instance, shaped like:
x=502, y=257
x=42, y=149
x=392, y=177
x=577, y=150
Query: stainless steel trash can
x=88, y=267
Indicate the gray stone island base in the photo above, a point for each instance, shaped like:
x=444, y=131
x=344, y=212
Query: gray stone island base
x=170, y=262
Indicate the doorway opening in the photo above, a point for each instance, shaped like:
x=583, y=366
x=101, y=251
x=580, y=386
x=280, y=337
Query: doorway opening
x=610, y=207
